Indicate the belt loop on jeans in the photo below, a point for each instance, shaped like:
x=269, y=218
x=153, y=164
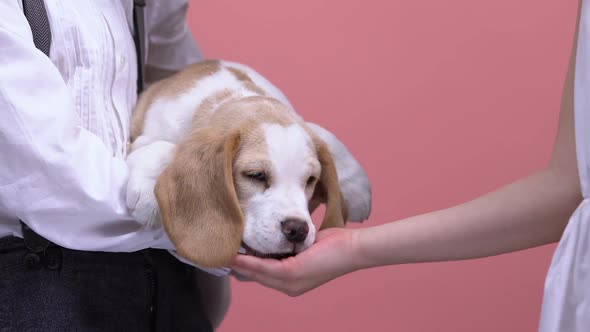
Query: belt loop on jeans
x=39, y=249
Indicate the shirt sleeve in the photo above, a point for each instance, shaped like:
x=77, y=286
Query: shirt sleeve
x=171, y=44
x=56, y=176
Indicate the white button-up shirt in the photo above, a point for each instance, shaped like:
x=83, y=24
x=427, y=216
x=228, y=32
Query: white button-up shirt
x=64, y=121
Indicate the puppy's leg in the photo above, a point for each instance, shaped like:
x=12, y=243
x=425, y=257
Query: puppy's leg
x=146, y=163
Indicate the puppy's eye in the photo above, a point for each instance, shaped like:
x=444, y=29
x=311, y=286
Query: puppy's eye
x=258, y=176
x=311, y=180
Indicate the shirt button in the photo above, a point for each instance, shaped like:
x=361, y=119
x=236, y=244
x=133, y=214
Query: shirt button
x=123, y=62
x=53, y=258
x=33, y=260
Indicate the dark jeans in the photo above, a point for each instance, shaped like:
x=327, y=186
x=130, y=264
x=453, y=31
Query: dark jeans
x=69, y=290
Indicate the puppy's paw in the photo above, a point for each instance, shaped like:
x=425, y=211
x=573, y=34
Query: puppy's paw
x=142, y=202
x=146, y=161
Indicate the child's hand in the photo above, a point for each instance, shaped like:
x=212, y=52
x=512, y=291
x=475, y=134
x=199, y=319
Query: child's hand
x=331, y=256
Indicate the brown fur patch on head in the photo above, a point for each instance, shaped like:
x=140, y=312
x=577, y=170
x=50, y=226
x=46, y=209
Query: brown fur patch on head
x=238, y=112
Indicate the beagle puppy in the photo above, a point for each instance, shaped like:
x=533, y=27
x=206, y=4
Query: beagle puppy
x=219, y=157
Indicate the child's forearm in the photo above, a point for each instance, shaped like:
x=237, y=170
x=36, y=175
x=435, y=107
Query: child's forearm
x=528, y=213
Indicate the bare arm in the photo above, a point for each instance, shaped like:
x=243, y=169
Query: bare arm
x=528, y=213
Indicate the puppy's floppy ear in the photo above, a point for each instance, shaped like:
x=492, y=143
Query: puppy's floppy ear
x=328, y=190
x=198, y=203
x=354, y=181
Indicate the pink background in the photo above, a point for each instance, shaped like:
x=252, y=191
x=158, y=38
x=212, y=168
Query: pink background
x=441, y=101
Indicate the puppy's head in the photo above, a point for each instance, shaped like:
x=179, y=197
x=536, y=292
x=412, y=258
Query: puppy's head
x=250, y=184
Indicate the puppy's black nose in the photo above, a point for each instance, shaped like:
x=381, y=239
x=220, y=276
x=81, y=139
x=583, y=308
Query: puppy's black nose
x=295, y=230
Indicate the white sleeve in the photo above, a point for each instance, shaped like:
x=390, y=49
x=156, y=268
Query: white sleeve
x=56, y=176
x=171, y=44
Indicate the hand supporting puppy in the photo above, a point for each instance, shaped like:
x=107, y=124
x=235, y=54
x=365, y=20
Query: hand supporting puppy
x=332, y=255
